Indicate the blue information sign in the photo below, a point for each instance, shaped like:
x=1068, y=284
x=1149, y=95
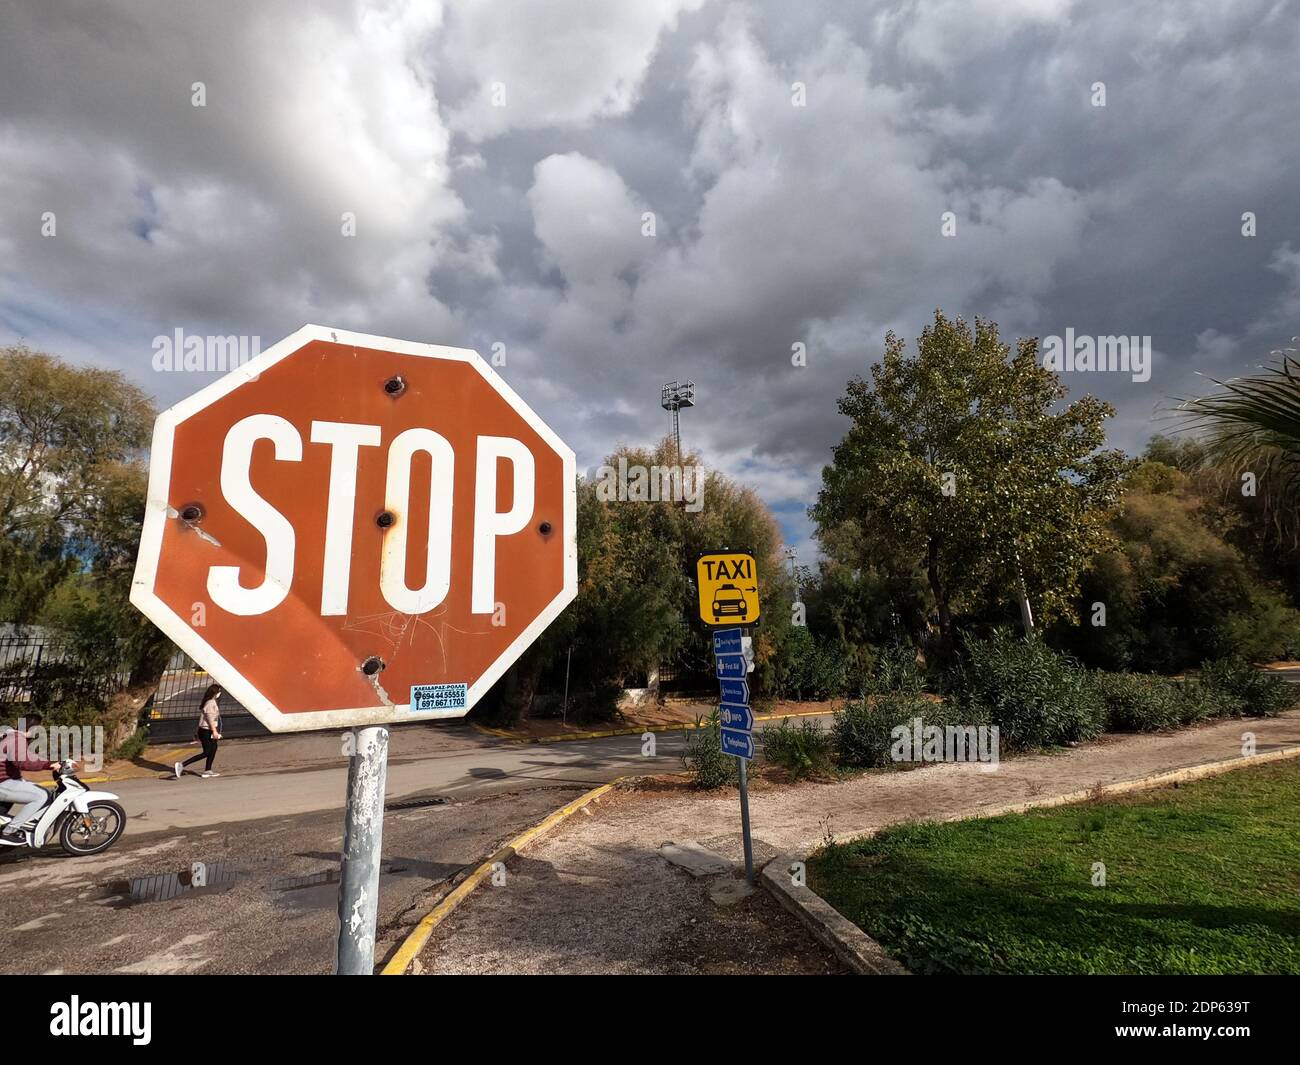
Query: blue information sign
x=737, y=743
x=735, y=692
x=731, y=667
x=738, y=717
x=727, y=642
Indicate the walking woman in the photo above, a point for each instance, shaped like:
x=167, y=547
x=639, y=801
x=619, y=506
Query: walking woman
x=208, y=733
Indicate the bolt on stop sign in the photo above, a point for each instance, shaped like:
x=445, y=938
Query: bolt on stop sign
x=353, y=530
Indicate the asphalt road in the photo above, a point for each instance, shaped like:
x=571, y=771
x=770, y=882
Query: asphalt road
x=466, y=770
x=270, y=901
x=268, y=841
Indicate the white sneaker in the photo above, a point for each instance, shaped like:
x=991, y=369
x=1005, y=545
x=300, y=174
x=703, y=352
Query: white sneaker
x=178, y=769
x=210, y=773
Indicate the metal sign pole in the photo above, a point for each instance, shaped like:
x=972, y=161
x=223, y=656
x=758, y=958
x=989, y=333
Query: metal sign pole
x=744, y=820
x=715, y=575
x=363, y=833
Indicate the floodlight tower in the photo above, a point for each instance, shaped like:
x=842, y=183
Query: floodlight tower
x=673, y=397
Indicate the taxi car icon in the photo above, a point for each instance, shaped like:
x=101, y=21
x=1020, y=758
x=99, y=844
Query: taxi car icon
x=729, y=600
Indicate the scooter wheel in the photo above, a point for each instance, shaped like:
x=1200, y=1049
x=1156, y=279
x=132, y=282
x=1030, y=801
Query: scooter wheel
x=76, y=838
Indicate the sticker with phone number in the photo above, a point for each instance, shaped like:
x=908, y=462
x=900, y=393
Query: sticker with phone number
x=426, y=697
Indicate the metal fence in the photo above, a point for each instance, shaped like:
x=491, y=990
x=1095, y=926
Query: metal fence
x=176, y=704
x=686, y=673
x=48, y=673
x=42, y=672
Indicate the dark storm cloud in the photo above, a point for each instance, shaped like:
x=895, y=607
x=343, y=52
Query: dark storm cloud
x=774, y=224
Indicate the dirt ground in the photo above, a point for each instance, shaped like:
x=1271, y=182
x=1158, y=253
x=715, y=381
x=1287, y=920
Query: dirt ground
x=652, y=716
x=596, y=897
x=591, y=900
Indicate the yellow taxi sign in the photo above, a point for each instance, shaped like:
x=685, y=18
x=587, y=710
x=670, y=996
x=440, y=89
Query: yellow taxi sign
x=728, y=584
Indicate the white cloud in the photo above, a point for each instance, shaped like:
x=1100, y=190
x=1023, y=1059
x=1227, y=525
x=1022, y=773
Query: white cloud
x=585, y=217
x=563, y=62
x=522, y=224
x=934, y=31
x=810, y=211
x=229, y=214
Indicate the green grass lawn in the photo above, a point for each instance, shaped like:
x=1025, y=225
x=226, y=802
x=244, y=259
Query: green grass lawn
x=1203, y=878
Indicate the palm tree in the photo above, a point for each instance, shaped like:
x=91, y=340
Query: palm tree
x=1253, y=425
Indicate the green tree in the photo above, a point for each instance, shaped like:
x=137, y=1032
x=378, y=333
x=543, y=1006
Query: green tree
x=958, y=463
x=64, y=431
x=1251, y=427
x=1253, y=416
x=72, y=492
x=636, y=606
x=1247, y=500
x=1175, y=592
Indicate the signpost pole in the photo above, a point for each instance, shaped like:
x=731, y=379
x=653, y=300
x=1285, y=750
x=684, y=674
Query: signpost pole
x=728, y=587
x=363, y=832
x=744, y=819
x=744, y=801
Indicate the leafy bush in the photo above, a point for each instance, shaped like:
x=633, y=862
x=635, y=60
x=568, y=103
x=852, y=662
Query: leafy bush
x=1228, y=687
x=1177, y=589
x=599, y=702
x=592, y=702
x=801, y=750
x=895, y=670
x=1198, y=701
x=1036, y=696
x=703, y=758
x=1244, y=691
x=863, y=730
x=807, y=668
x=1138, y=704
x=135, y=744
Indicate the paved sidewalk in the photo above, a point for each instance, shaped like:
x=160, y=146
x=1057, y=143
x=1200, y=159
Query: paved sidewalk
x=597, y=897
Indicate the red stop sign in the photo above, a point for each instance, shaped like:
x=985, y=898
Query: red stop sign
x=354, y=530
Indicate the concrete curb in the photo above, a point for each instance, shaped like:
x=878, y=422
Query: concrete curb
x=401, y=960
x=686, y=726
x=1122, y=787
x=128, y=770
x=862, y=954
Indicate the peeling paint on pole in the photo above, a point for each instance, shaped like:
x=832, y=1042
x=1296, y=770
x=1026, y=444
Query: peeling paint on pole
x=363, y=831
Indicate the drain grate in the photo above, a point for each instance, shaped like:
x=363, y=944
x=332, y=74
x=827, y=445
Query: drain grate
x=200, y=878
x=295, y=883
x=416, y=804
x=331, y=876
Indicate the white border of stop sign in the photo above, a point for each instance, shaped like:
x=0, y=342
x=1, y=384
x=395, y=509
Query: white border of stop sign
x=190, y=639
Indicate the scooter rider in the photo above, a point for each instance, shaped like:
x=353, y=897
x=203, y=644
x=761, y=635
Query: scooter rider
x=29, y=798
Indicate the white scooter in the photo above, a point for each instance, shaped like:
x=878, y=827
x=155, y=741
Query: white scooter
x=88, y=822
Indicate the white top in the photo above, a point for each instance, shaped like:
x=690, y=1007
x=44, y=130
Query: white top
x=210, y=716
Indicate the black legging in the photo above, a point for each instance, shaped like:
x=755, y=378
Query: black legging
x=209, y=750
